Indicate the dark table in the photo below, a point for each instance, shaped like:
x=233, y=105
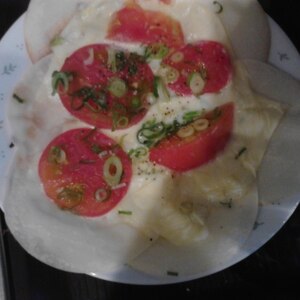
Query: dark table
x=273, y=272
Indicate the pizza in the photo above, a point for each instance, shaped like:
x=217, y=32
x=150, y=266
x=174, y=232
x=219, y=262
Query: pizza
x=138, y=142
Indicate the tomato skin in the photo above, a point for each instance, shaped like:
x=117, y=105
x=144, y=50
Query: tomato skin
x=134, y=24
x=97, y=77
x=208, y=54
x=83, y=171
x=183, y=155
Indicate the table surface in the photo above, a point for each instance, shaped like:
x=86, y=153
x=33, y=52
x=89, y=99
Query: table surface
x=272, y=272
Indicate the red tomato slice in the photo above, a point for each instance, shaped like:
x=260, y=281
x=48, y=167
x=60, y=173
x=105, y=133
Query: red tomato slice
x=185, y=154
x=208, y=58
x=107, y=93
x=134, y=24
x=71, y=170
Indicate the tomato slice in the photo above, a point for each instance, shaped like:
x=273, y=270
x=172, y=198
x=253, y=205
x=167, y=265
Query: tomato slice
x=184, y=154
x=134, y=24
x=71, y=169
x=208, y=58
x=108, y=87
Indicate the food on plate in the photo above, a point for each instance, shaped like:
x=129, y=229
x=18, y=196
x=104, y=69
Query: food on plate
x=147, y=140
x=85, y=171
x=204, y=67
x=245, y=22
x=135, y=24
x=105, y=86
x=196, y=143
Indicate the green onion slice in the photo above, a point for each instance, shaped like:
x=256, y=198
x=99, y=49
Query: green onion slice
x=102, y=195
x=219, y=7
x=196, y=83
x=169, y=74
x=125, y=212
x=117, y=87
x=151, y=133
x=113, y=170
x=122, y=122
x=63, y=78
x=138, y=152
x=177, y=57
x=160, y=90
x=156, y=51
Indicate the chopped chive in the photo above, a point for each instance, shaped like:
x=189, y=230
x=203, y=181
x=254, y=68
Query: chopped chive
x=18, y=98
x=227, y=204
x=172, y=273
x=242, y=151
x=125, y=212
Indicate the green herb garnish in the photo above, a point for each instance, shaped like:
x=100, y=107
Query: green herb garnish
x=125, y=212
x=82, y=97
x=172, y=273
x=219, y=7
x=227, y=204
x=241, y=152
x=61, y=78
x=138, y=152
x=18, y=98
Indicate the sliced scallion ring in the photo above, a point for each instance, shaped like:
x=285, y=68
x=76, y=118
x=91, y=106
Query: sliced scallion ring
x=169, y=74
x=113, y=170
x=186, y=131
x=160, y=90
x=177, y=57
x=60, y=78
x=122, y=122
x=219, y=7
x=196, y=83
x=138, y=152
x=200, y=124
x=102, y=195
x=156, y=51
x=117, y=87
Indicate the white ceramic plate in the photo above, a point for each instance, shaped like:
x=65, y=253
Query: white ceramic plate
x=14, y=61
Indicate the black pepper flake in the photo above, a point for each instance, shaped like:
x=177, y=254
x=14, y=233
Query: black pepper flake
x=11, y=145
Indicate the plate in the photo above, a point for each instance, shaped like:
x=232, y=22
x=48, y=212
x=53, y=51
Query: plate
x=272, y=215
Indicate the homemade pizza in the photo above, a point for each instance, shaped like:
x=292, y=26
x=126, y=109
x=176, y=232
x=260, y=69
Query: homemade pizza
x=138, y=140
